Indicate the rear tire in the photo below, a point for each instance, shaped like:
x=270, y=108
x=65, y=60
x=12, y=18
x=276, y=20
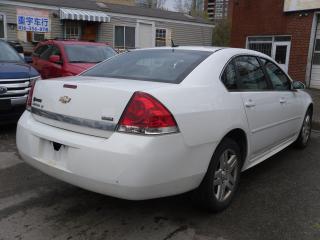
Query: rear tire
x=305, y=132
x=221, y=182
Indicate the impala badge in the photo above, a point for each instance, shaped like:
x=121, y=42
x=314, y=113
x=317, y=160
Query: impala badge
x=65, y=99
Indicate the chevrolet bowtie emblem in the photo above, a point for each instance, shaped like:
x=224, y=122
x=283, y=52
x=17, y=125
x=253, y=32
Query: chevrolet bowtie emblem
x=65, y=99
x=3, y=90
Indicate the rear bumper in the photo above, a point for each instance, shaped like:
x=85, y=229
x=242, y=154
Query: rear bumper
x=125, y=166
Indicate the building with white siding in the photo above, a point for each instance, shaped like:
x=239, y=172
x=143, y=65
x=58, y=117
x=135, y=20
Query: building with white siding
x=123, y=27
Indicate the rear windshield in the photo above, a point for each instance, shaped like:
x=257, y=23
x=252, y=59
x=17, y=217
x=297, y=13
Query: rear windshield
x=88, y=53
x=165, y=65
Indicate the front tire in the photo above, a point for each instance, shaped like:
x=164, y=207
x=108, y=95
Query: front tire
x=221, y=182
x=305, y=133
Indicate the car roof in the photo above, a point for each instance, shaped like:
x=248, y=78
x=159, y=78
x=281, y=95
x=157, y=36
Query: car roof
x=191, y=48
x=74, y=42
x=228, y=50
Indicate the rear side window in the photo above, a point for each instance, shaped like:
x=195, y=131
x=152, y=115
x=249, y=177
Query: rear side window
x=55, y=51
x=229, y=77
x=46, y=54
x=40, y=50
x=250, y=73
x=279, y=79
x=163, y=65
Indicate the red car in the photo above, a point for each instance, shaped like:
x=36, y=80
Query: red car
x=55, y=58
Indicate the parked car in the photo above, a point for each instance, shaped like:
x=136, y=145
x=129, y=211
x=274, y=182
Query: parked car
x=55, y=58
x=167, y=121
x=17, y=46
x=15, y=81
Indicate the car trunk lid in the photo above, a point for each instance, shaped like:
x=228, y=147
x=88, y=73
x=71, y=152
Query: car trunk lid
x=86, y=105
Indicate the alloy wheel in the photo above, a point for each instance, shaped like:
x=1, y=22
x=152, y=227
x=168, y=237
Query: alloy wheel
x=306, y=129
x=225, y=175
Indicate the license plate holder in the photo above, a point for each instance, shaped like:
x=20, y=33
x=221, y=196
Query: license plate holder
x=5, y=104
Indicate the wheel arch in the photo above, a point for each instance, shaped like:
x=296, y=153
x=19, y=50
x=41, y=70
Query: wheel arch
x=240, y=137
x=310, y=108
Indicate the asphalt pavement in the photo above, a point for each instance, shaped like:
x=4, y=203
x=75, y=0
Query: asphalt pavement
x=279, y=199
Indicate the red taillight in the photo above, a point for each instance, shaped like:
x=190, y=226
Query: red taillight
x=29, y=99
x=146, y=115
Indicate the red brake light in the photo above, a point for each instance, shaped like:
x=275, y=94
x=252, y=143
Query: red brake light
x=29, y=99
x=146, y=115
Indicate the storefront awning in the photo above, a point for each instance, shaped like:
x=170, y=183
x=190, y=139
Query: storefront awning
x=84, y=15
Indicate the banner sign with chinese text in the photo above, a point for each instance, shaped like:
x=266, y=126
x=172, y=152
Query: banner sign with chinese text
x=299, y=5
x=32, y=20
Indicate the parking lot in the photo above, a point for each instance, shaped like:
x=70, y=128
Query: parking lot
x=278, y=199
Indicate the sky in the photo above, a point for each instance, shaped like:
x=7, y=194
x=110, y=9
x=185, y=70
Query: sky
x=170, y=4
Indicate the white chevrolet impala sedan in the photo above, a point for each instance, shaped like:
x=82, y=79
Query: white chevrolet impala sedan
x=158, y=122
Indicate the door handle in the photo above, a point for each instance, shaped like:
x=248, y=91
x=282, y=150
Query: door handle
x=250, y=103
x=283, y=100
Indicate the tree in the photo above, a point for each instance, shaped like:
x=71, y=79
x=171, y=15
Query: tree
x=153, y=3
x=191, y=7
x=221, y=33
x=161, y=4
x=184, y=6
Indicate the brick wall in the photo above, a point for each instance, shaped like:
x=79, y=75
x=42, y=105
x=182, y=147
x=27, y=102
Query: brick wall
x=266, y=17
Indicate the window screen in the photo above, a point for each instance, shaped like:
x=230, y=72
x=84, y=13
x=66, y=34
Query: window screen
x=265, y=48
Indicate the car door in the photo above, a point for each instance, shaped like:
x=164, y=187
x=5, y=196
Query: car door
x=262, y=105
x=290, y=101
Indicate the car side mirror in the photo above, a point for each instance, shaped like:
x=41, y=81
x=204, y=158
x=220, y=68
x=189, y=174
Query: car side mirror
x=28, y=59
x=296, y=85
x=55, y=59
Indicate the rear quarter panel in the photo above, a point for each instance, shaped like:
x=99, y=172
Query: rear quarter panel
x=204, y=110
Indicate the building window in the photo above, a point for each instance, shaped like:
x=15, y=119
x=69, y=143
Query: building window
x=265, y=44
x=125, y=37
x=3, y=26
x=72, y=30
x=261, y=44
x=38, y=37
x=316, y=55
x=161, y=37
x=265, y=48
